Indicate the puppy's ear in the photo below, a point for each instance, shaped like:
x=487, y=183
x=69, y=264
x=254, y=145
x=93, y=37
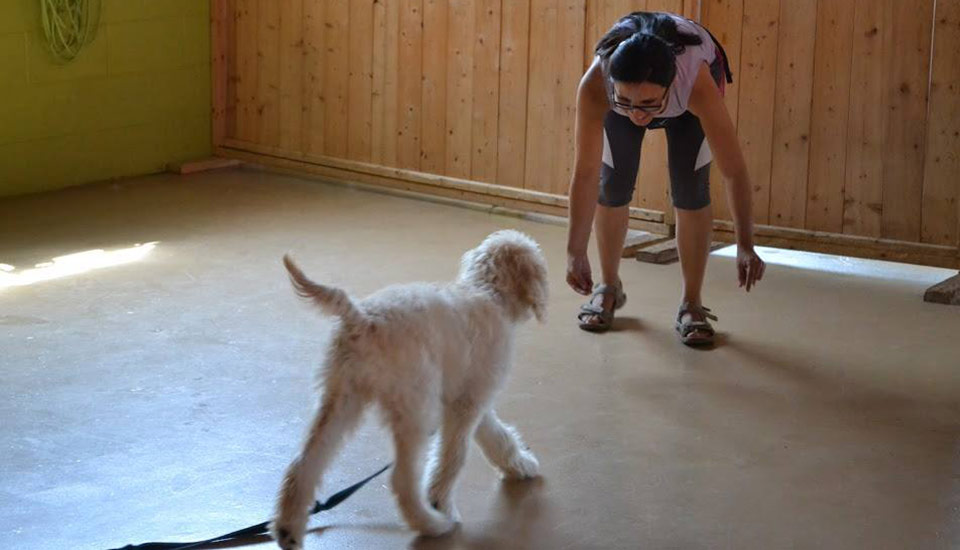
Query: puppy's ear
x=534, y=283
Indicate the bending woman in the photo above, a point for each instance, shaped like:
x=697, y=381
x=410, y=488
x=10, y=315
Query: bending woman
x=655, y=71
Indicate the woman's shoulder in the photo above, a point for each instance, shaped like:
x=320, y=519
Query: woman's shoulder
x=593, y=83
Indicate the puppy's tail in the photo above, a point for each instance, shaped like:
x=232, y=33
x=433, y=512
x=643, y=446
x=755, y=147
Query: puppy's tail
x=331, y=300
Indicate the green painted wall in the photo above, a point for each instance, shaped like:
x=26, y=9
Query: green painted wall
x=137, y=98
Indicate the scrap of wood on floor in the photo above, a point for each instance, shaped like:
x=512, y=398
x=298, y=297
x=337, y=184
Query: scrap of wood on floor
x=947, y=292
x=665, y=251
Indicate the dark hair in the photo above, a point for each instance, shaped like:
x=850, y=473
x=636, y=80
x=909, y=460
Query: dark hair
x=643, y=47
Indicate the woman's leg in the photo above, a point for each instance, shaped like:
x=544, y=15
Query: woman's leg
x=689, y=157
x=621, y=162
x=610, y=225
x=694, y=233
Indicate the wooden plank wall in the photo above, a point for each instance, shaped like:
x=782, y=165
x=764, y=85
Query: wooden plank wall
x=848, y=112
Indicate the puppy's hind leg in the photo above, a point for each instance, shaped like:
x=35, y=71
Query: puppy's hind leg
x=503, y=448
x=410, y=439
x=338, y=415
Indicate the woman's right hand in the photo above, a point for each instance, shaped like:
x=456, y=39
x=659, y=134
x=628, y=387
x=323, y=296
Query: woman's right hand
x=578, y=273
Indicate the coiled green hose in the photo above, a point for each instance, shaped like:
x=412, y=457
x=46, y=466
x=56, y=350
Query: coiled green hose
x=69, y=25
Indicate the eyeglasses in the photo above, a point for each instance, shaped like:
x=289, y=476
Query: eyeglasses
x=649, y=109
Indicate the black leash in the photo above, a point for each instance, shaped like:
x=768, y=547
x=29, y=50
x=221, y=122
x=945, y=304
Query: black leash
x=258, y=529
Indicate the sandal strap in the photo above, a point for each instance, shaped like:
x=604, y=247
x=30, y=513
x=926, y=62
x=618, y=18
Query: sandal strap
x=619, y=298
x=606, y=289
x=590, y=309
x=688, y=308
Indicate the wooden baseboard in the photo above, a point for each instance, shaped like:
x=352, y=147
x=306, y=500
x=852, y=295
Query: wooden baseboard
x=423, y=184
x=203, y=165
x=522, y=200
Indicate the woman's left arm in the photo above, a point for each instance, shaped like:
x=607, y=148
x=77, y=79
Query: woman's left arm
x=707, y=104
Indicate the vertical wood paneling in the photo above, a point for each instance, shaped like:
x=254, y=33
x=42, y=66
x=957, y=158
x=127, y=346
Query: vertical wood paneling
x=669, y=6
x=831, y=85
x=247, y=14
x=847, y=122
x=461, y=20
x=486, y=91
x=591, y=31
x=571, y=23
x=291, y=75
x=907, y=57
x=758, y=61
x=268, y=69
x=941, y=183
x=360, y=75
x=512, y=115
x=409, y=80
x=862, y=189
x=434, y=114
x=314, y=58
x=336, y=77
x=691, y=9
x=791, y=118
x=391, y=83
x=653, y=178
x=542, y=98
x=220, y=72
x=724, y=18
x=378, y=83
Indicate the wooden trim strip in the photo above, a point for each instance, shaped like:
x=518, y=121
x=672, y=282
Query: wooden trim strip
x=480, y=188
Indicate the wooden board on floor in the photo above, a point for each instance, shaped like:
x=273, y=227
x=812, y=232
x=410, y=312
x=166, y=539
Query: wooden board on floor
x=639, y=239
x=947, y=292
x=665, y=252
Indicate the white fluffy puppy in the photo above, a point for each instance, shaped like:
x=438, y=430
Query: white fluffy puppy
x=431, y=356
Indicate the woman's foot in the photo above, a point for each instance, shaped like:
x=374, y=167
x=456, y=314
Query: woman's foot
x=693, y=325
x=597, y=314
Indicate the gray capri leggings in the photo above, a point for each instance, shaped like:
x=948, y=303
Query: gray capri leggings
x=688, y=156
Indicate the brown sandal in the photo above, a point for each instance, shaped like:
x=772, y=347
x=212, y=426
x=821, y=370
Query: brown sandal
x=589, y=309
x=688, y=328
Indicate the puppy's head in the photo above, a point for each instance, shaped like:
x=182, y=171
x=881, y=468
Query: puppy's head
x=511, y=266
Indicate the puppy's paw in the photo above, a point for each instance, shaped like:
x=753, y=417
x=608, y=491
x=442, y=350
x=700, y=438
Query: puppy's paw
x=434, y=524
x=523, y=465
x=447, y=508
x=288, y=533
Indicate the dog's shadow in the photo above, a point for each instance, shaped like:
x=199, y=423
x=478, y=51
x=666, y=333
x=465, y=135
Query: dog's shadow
x=518, y=519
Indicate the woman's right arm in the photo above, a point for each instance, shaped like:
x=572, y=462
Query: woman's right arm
x=585, y=181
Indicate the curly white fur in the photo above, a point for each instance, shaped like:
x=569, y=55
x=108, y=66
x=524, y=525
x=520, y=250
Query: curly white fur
x=431, y=356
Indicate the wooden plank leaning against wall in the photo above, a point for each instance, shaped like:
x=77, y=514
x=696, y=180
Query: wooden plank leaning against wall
x=835, y=126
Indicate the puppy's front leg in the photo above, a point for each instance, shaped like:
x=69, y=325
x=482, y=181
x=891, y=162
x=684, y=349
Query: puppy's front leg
x=458, y=423
x=502, y=446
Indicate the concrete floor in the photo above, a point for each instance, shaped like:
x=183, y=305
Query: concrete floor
x=161, y=399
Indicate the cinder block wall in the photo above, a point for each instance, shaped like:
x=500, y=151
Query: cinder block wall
x=137, y=98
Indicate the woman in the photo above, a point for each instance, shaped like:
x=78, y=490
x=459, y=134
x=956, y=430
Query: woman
x=655, y=70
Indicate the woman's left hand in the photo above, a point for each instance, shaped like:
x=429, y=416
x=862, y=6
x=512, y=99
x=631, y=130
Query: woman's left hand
x=750, y=267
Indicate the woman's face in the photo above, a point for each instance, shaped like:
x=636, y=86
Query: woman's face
x=639, y=101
